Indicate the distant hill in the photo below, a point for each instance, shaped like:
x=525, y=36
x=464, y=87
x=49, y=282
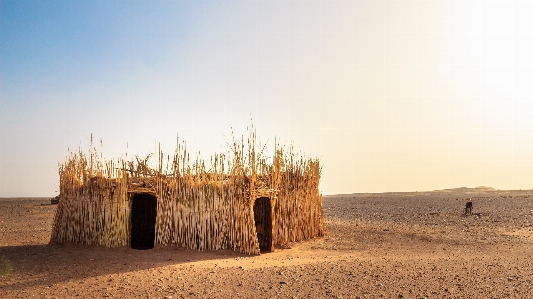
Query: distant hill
x=466, y=189
x=460, y=190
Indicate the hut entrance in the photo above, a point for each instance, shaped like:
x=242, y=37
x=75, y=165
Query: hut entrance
x=143, y=214
x=263, y=223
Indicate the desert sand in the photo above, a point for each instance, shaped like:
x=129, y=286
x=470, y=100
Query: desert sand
x=386, y=245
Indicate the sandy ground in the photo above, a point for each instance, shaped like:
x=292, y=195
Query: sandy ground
x=394, y=245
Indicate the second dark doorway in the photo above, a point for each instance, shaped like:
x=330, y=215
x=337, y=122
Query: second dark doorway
x=263, y=223
x=143, y=216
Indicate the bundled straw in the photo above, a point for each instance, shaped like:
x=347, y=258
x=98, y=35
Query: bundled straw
x=198, y=208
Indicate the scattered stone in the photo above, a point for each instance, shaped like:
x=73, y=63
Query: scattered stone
x=283, y=282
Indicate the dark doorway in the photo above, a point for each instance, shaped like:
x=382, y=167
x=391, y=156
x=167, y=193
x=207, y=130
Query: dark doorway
x=263, y=223
x=143, y=214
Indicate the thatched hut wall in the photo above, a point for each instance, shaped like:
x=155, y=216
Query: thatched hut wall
x=206, y=215
x=298, y=210
x=93, y=212
x=196, y=208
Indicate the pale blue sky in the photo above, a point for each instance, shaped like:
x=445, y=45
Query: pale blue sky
x=390, y=95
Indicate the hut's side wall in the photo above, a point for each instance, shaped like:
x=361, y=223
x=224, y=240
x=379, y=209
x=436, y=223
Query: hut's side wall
x=298, y=209
x=95, y=212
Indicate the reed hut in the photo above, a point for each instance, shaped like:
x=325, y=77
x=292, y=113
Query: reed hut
x=242, y=201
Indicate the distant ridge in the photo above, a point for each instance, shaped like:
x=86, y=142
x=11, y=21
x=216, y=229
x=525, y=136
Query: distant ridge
x=463, y=190
x=466, y=189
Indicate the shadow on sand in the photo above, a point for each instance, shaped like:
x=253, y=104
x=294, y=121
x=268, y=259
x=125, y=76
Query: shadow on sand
x=48, y=264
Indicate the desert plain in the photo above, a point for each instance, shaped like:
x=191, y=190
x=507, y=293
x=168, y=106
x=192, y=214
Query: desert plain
x=382, y=245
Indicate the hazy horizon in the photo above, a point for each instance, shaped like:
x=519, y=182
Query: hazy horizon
x=389, y=95
x=469, y=189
